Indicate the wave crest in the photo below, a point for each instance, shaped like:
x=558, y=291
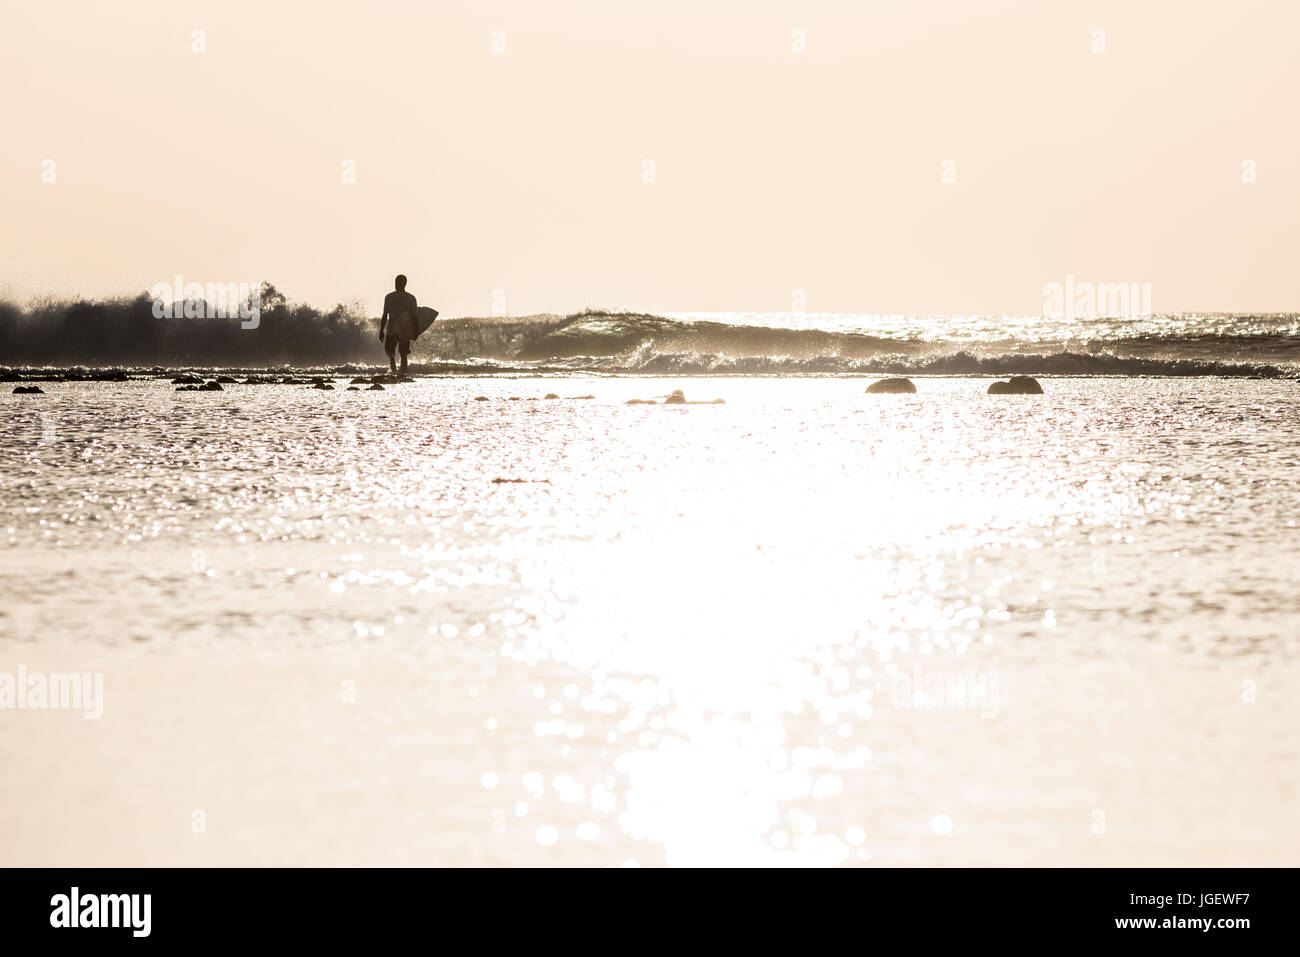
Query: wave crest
x=124, y=332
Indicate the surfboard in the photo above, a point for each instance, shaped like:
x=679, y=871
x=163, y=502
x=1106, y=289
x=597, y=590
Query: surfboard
x=424, y=317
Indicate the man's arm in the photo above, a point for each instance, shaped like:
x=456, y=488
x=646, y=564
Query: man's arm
x=383, y=320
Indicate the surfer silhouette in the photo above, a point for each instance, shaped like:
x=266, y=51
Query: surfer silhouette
x=397, y=325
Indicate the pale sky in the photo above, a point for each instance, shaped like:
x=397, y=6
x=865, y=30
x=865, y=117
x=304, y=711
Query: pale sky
x=774, y=170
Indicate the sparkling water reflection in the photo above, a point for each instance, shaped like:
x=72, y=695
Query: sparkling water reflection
x=806, y=626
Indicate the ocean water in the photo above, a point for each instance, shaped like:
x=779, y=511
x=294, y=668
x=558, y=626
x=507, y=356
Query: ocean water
x=125, y=333
x=806, y=626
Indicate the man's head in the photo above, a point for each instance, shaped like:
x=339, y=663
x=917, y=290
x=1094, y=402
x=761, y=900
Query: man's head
x=400, y=283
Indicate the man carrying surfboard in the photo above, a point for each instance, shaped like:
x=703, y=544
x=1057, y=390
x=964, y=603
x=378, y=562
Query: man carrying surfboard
x=397, y=326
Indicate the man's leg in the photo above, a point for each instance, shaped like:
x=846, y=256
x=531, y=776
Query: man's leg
x=390, y=346
x=405, y=345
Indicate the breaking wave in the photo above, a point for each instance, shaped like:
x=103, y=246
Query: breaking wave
x=125, y=333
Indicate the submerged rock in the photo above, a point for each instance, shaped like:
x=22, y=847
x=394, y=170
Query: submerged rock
x=354, y=388
x=891, y=387
x=375, y=387
x=28, y=390
x=481, y=398
x=676, y=398
x=323, y=386
x=550, y=395
x=1017, y=385
x=187, y=380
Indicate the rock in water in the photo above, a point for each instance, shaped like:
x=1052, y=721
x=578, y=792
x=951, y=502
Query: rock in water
x=1017, y=385
x=375, y=387
x=550, y=395
x=676, y=398
x=891, y=387
x=28, y=390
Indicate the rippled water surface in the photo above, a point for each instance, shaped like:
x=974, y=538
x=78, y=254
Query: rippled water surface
x=805, y=626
